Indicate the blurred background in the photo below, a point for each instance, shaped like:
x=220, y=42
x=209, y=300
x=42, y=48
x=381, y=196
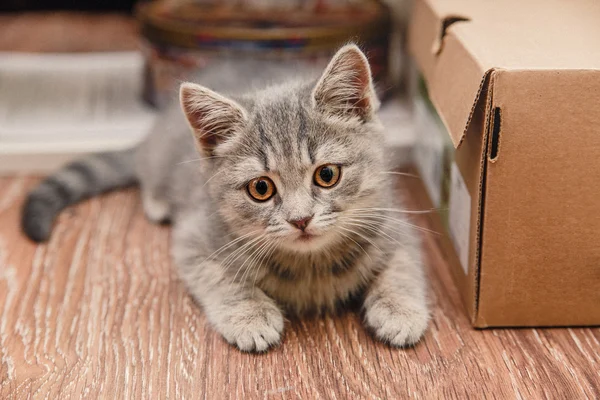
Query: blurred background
x=45, y=5
x=83, y=76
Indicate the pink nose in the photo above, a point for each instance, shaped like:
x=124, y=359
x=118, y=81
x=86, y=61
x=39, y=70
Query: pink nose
x=301, y=223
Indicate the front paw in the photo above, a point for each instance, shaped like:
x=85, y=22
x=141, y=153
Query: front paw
x=252, y=325
x=396, y=321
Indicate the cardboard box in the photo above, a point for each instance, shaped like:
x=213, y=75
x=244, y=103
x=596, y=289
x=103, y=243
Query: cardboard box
x=517, y=87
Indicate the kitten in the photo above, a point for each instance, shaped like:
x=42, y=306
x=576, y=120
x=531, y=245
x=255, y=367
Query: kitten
x=287, y=210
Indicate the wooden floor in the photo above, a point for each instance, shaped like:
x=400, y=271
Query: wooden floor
x=99, y=312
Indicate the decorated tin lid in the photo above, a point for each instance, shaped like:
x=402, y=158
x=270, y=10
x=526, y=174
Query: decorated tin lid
x=210, y=25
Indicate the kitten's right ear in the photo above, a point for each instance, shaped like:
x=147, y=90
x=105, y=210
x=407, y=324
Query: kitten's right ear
x=213, y=117
x=346, y=87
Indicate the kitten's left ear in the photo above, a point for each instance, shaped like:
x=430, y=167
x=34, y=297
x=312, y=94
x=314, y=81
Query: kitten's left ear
x=346, y=87
x=213, y=117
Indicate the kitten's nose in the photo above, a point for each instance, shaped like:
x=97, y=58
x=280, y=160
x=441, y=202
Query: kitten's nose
x=301, y=223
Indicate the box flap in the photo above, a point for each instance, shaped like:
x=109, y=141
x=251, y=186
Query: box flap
x=459, y=43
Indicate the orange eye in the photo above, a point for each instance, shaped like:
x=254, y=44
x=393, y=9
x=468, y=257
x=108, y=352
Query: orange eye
x=327, y=175
x=261, y=189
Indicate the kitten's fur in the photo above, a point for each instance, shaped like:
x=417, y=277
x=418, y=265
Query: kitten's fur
x=242, y=260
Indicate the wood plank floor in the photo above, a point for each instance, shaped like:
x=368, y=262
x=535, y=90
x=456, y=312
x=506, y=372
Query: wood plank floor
x=98, y=312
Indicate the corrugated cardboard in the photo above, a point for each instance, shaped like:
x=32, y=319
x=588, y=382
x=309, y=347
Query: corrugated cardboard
x=517, y=85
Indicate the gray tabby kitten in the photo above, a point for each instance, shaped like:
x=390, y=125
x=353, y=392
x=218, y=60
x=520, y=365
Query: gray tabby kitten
x=287, y=210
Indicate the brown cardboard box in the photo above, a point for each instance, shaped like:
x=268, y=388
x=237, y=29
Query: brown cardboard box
x=517, y=85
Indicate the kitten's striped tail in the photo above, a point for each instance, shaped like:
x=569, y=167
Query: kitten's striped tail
x=74, y=182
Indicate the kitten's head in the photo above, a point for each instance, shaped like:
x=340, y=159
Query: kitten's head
x=292, y=162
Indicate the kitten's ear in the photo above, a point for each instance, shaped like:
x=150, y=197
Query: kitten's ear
x=346, y=87
x=212, y=117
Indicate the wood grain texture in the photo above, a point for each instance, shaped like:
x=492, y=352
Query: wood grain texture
x=98, y=312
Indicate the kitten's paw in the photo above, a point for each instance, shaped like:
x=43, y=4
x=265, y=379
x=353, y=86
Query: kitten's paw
x=395, y=322
x=253, y=325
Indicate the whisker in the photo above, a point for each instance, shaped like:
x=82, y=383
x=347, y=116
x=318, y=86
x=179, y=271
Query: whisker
x=362, y=248
x=231, y=258
x=401, y=174
x=266, y=256
x=209, y=179
x=399, y=210
x=399, y=221
x=256, y=250
x=236, y=253
x=380, y=229
x=375, y=229
x=381, y=213
x=229, y=244
x=263, y=258
x=256, y=261
x=358, y=234
x=252, y=258
x=251, y=248
x=198, y=159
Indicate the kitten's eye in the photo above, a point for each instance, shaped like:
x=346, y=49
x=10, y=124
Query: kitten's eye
x=261, y=189
x=327, y=175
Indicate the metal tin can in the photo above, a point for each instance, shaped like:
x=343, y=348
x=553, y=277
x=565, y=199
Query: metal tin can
x=179, y=38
